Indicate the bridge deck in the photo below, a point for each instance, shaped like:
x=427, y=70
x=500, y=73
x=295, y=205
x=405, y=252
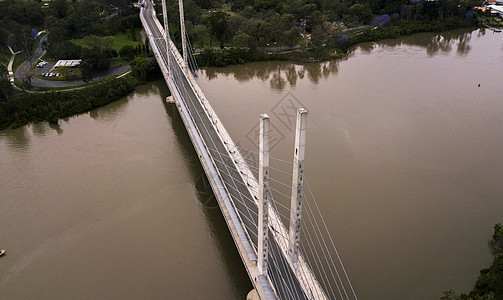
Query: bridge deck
x=223, y=165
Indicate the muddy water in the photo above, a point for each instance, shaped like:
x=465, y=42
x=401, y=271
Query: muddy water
x=112, y=204
x=403, y=156
x=404, y=152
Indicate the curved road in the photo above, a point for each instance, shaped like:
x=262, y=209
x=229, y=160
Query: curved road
x=25, y=68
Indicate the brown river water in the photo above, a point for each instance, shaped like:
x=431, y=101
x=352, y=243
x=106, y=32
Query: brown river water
x=404, y=156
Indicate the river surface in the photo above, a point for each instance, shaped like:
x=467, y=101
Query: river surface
x=404, y=156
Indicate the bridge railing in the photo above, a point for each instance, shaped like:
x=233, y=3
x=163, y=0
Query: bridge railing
x=235, y=224
x=302, y=271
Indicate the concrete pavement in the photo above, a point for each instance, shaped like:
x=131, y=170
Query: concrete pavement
x=25, y=68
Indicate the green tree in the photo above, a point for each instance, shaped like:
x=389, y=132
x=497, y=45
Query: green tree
x=291, y=36
x=60, y=8
x=87, y=72
x=489, y=285
x=140, y=67
x=218, y=25
x=317, y=37
x=241, y=39
x=6, y=89
x=497, y=242
x=361, y=13
x=128, y=52
x=200, y=33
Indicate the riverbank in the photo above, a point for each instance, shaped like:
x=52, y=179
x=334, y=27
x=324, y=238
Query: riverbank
x=15, y=113
x=335, y=47
x=53, y=104
x=27, y=108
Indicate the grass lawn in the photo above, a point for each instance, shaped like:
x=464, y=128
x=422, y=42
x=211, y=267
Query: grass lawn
x=17, y=61
x=120, y=40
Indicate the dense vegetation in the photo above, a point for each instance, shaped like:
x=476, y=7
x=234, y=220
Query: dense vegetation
x=25, y=108
x=88, y=19
x=489, y=285
x=314, y=24
x=248, y=29
x=52, y=106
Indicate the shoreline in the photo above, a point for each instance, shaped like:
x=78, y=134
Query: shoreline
x=20, y=118
x=236, y=56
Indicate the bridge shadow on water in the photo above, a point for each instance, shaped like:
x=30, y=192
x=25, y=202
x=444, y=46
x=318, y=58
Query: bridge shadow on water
x=238, y=278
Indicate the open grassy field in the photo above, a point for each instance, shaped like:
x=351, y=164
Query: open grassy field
x=119, y=40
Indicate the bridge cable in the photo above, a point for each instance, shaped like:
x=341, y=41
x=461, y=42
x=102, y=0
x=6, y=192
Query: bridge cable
x=316, y=257
x=190, y=102
x=330, y=237
x=290, y=282
x=210, y=138
x=325, y=251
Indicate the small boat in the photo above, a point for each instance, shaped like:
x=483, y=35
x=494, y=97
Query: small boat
x=2, y=252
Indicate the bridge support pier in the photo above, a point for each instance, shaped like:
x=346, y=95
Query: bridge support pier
x=263, y=212
x=297, y=180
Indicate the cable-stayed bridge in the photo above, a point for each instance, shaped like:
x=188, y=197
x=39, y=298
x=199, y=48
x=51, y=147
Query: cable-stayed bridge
x=296, y=261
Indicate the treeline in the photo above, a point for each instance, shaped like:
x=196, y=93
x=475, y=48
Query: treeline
x=51, y=106
x=64, y=18
x=234, y=56
x=21, y=20
x=91, y=19
x=489, y=285
x=34, y=107
x=390, y=31
x=263, y=23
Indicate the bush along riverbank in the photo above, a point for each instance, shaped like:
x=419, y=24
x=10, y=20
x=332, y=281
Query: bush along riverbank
x=489, y=285
x=332, y=47
x=52, y=106
x=21, y=109
x=391, y=31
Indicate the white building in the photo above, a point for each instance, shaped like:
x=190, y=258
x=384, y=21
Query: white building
x=68, y=63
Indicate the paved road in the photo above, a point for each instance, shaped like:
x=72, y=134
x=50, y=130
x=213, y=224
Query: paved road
x=25, y=68
x=247, y=209
x=112, y=71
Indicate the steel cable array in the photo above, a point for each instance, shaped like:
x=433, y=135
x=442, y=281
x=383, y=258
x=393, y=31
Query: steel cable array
x=316, y=251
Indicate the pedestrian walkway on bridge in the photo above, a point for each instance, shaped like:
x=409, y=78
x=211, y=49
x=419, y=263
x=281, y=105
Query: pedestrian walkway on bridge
x=295, y=262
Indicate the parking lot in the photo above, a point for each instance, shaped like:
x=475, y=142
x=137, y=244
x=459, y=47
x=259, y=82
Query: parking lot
x=45, y=69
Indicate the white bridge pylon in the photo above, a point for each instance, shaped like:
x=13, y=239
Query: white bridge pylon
x=271, y=252
x=182, y=33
